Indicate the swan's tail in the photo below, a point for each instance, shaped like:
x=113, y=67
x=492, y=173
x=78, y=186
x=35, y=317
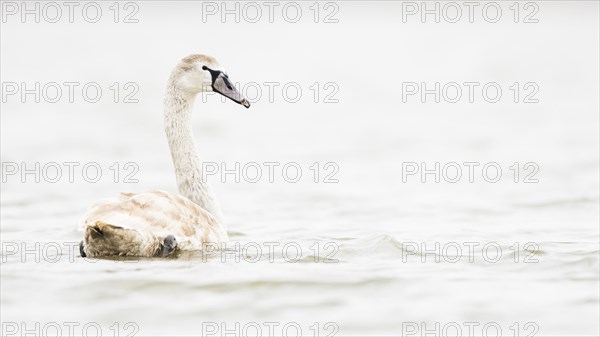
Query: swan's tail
x=103, y=239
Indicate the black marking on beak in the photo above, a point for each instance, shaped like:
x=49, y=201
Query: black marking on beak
x=213, y=73
x=222, y=85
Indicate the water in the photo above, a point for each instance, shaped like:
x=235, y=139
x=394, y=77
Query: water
x=371, y=275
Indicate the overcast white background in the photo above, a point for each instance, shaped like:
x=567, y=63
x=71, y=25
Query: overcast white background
x=379, y=286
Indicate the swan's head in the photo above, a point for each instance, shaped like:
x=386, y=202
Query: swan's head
x=201, y=73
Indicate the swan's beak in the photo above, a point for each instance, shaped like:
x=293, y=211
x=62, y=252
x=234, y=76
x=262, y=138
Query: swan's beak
x=223, y=86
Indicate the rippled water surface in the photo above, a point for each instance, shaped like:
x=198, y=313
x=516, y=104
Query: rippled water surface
x=366, y=255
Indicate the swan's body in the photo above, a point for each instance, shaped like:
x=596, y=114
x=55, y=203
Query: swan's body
x=154, y=223
x=137, y=225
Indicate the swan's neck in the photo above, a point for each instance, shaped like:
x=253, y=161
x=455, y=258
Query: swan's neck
x=188, y=167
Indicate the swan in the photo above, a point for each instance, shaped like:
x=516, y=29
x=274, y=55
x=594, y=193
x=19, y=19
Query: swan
x=157, y=223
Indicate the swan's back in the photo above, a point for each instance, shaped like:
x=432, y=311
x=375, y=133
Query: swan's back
x=137, y=225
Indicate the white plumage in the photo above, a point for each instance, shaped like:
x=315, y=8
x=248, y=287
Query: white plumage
x=155, y=223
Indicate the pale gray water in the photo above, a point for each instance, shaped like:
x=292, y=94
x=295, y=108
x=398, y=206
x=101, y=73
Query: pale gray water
x=379, y=284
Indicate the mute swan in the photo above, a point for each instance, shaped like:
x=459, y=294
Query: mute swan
x=156, y=223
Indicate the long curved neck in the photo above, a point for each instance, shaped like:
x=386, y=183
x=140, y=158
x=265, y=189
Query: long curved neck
x=188, y=167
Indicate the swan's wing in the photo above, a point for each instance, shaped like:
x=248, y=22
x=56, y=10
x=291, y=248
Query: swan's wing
x=159, y=213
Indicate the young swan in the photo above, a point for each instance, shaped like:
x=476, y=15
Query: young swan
x=156, y=223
